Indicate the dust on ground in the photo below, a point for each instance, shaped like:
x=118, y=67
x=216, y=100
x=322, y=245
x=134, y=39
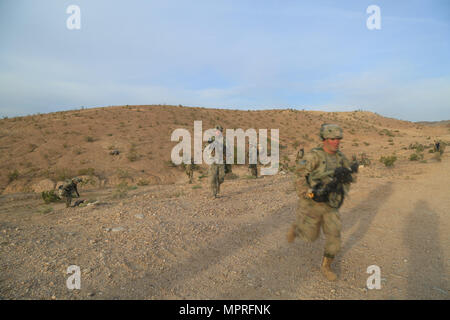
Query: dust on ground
x=175, y=242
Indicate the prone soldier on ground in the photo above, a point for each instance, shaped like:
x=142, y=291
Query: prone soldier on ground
x=323, y=179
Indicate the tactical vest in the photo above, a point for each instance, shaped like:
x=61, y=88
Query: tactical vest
x=324, y=172
x=326, y=166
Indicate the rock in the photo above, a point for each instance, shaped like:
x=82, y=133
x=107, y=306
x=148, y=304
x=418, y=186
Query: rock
x=15, y=187
x=117, y=229
x=139, y=216
x=43, y=185
x=89, y=182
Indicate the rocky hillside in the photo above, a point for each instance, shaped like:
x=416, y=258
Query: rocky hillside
x=40, y=150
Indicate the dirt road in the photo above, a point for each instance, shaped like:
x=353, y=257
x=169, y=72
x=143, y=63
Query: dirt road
x=173, y=242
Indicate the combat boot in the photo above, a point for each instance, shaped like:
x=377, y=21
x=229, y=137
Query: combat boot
x=291, y=234
x=326, y=269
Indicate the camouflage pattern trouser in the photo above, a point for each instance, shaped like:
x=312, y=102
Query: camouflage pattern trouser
x=216, y=177
x=66, y=195
x=311, y=216
x=253, y=169
x=189, y=172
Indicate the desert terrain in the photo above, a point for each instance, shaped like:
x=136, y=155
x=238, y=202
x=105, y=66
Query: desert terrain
x=145, y=233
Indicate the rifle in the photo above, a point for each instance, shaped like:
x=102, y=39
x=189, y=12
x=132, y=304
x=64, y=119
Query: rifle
x=341, y=176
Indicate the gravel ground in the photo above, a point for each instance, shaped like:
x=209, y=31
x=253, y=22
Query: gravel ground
x=175, y=242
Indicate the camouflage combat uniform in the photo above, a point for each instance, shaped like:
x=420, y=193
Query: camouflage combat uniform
x=253, y=167
x=189, y=169
x=315, y=167
x=438, y=148
x=67, y=189
x=216, y=171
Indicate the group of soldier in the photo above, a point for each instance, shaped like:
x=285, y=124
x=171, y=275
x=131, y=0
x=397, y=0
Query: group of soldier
x=323, y=177
x=318, y=203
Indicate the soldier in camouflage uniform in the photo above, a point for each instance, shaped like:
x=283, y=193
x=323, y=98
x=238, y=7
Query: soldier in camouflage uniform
x=67, y=189
x=317, y=168
x=253, y=167
x=438, y=148
x=189, y=169
x=217, y=170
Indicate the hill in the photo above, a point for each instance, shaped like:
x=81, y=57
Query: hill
x=40, y=150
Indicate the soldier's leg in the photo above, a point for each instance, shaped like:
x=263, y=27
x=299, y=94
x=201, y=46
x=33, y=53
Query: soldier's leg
x=332, y=226
x=68, y=201
x=332, y=229
x=189, y=174
x=253, y=170
x=309, y=219
x=220, y=175
x=213, y=179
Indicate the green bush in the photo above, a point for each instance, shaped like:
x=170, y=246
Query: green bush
x=121, y=190
x=49, y=196
x=386, y=132
x=388, y=161
x=416, y=157
x=86, y=172
x=417, y=146
x=14, y=175
x=143, y=182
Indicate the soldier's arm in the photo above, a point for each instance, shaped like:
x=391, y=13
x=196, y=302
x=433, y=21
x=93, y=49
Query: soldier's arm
x=76, y=190
x=304, y=168
x=351, y=165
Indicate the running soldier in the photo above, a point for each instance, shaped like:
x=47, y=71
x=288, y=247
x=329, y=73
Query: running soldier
x=323, y=179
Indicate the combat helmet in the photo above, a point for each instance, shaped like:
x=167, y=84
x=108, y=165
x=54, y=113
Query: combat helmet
x=330, y=131
x=77, y=180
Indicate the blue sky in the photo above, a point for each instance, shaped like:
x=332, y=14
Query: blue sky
x=313, y=55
